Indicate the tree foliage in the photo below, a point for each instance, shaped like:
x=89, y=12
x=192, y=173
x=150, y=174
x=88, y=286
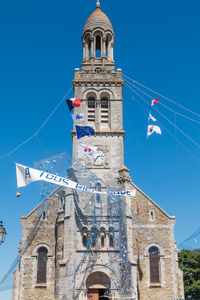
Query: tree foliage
x=189, y=262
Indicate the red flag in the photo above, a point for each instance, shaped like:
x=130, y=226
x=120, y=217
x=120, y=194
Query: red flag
x=138, y=210
x=154, y=101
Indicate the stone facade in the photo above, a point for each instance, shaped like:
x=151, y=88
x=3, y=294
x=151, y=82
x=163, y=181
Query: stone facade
x=72, y=270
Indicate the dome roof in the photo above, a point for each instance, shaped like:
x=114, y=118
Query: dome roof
x=98, y=19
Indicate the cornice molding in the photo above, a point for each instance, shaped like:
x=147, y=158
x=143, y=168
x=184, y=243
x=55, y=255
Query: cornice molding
x=104, y=133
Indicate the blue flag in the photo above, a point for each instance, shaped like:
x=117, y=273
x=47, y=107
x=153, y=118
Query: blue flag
x=81, y=131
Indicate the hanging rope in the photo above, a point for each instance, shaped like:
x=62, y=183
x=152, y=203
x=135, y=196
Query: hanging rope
x=185, y=134
x=190, y=152
x=166, y=98
x=167, y=107
x=43, y=124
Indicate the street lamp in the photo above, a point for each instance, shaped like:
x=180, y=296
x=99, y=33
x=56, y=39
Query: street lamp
x=2, y=233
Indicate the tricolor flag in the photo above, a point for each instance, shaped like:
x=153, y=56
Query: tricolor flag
x=154, y=101
x=152, y=128
x=86, y=150
x=72, y=103
x=152, y=118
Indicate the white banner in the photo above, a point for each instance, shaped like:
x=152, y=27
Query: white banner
x=26, y=175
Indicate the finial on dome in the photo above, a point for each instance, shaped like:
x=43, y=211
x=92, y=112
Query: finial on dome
x=98, y=4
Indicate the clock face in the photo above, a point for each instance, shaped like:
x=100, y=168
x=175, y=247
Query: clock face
x=99, y=157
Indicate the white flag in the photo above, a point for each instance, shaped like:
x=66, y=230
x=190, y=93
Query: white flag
x=78, y=117
x=152, y=128
x=86, y=150
x=26, y=175
x=152, y=118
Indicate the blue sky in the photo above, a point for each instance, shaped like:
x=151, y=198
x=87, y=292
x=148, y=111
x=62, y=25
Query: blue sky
x=156, y=43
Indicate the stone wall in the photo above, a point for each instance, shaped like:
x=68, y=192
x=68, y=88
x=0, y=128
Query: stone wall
x=25, y=278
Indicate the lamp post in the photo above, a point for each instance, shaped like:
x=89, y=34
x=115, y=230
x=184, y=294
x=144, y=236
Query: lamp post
x=2, y=233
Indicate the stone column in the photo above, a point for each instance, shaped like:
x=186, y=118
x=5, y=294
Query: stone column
x=87, y=51
x=66, y=265
x=124, y=181
x=111, y=50
x=97, y=113
x=92, y=47
x=103, y=50
x=84, y=51
x=172, y=224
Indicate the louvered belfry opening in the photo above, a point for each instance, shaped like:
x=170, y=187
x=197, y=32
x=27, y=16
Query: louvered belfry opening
x=91, y=109
x=42, y=265
x=154, y=260
x=104, y=110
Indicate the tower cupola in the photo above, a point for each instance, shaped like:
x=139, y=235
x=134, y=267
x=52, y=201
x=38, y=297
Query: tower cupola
x=98, y=38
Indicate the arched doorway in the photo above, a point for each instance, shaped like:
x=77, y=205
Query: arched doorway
x=98, y=286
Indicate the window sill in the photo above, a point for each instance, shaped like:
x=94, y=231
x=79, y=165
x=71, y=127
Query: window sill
x=155, y=285
x=63, y=262
x=41, y=285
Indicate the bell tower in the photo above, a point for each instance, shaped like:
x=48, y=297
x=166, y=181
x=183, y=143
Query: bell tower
x=100, y=88
x=98, y=41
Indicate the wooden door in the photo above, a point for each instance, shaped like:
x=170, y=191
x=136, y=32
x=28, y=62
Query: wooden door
x=93, y=294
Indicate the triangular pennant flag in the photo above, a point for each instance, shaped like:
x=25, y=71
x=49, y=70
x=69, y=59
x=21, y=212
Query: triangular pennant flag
x=150, y=117
x=153, y=102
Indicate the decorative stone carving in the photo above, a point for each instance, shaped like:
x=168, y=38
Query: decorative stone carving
x=103, y=162
x=124, y=176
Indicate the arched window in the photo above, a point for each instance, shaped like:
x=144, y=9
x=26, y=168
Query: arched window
x=62, y=201
x=91, y=109
x=42, y=265
x=106, y=47
x=154, y=262
x=98, y=188
x=98, y=46
x=85, y=236
x=104, y=110
x=151, y=215
x=89, y=47
x=111, y=237
x=94, y=236
x=102, y=240
x=102, y=235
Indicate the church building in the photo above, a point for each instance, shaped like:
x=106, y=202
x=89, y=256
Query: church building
x=88, y=247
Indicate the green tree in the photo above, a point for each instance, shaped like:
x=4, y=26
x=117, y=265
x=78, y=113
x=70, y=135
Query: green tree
x=189, y=262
